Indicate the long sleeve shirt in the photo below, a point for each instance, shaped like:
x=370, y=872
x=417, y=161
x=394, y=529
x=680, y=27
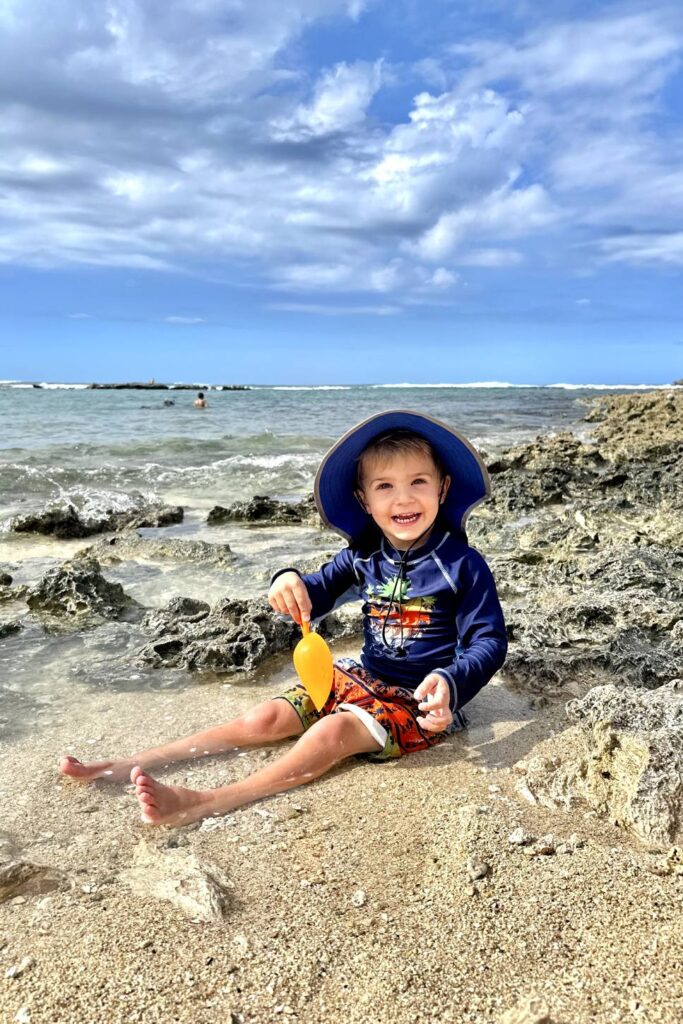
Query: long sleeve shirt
x=444, y=617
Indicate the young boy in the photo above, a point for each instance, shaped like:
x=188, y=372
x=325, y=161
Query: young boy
x=399, y=486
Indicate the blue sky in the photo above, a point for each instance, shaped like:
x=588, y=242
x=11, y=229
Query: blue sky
x=341, y=191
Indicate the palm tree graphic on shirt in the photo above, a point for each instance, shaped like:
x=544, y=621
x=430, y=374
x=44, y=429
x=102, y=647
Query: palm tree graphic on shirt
x=385, y=621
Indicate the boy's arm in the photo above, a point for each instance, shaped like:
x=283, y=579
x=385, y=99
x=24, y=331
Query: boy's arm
x=329, y=583
x=482, y=634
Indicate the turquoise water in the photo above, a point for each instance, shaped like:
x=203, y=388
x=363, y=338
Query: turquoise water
x=60, y=441
x=96, y=447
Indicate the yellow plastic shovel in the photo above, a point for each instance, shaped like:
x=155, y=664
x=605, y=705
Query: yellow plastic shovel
x=314, y=666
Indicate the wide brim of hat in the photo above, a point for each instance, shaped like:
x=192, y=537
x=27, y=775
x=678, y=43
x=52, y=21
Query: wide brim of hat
x=335, y=480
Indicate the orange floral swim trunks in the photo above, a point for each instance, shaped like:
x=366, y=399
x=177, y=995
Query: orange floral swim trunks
x=389, y=712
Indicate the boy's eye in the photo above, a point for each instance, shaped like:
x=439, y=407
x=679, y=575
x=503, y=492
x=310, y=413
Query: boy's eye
x=419, y=480
x=382, y=486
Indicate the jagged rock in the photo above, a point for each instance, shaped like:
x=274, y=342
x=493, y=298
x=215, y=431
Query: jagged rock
x=65, y=520
x=131, y=546
x=266, y=512
x=22, y=878
x=343, y=624
x=10, y=627
x=9, y=592
x=78, y=588
x=235, y=636
x=196, y=887
x=601, y=616
x=628, y=422
x=624, y=758
x=180, y=611
x=545, y=472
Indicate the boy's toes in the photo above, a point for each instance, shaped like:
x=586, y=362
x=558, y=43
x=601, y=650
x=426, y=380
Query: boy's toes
x=71, y=766
x=136, y=773
x=150, y=815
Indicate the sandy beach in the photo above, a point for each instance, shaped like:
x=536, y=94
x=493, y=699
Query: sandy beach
x=390, y=891
x=594, y=931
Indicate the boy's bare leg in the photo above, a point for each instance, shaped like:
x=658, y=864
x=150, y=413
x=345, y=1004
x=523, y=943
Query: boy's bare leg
x=329, y=741
x=268, y=722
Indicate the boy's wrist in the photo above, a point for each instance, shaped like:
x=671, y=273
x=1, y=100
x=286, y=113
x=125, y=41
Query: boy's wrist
x=452, y=687
x=281, y=572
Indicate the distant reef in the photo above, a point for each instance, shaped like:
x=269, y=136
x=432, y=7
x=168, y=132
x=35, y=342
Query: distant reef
x=153, y=386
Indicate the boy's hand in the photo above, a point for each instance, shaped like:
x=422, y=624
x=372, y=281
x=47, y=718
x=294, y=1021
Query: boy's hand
x=435, y=695
x=288, y=596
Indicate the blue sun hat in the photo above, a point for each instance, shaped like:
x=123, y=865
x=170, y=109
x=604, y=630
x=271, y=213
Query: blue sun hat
x=336, y=479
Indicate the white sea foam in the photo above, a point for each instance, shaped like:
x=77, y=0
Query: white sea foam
x=538, y=387
x=45, y=386
x=614, y=387
x=474, y=384
x=305, y=387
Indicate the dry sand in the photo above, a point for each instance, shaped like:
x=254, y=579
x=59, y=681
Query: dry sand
x=350, y=897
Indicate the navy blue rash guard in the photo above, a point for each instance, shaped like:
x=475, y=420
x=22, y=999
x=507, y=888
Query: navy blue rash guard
x=452, y=620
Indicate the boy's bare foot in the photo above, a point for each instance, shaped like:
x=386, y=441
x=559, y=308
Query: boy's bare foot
x=169, y=805
x=112, y=771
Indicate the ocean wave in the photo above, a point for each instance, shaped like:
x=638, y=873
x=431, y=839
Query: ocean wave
x=474, y=384
x=536, y=387
x=614, y=387
x=305, y=387
x=241, y=475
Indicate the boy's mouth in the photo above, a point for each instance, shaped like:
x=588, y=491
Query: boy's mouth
x=406, y=520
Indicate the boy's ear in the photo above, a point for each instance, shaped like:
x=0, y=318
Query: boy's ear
x=443, y=490
x=360, y=498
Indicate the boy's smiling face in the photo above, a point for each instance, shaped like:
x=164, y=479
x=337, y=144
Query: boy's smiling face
x=402, y=494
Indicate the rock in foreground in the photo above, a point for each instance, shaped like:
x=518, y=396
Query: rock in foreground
x=131, y=546
x=197, y=888
x=267, y=511
x=66, y=521
x=627, y=765
x=77, y=589
x=233, y=636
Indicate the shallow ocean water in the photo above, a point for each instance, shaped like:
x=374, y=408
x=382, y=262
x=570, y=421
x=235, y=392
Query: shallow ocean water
x=96, y=447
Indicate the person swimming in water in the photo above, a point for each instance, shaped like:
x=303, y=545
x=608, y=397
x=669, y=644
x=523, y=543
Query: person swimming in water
x=200, y=401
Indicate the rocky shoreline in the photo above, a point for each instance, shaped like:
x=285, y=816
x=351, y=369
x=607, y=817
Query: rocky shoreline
x=560, y=808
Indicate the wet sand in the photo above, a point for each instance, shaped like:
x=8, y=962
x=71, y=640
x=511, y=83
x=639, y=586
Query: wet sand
x=350, y=898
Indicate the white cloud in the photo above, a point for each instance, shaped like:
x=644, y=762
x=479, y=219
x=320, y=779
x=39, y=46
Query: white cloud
x=452, y=150
x=185, y=320
x=340, y=100
x=395, y=278
x=491, y=258
x=655, y=249
x=193, y=138
x=632, y=52
x=506, y=213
